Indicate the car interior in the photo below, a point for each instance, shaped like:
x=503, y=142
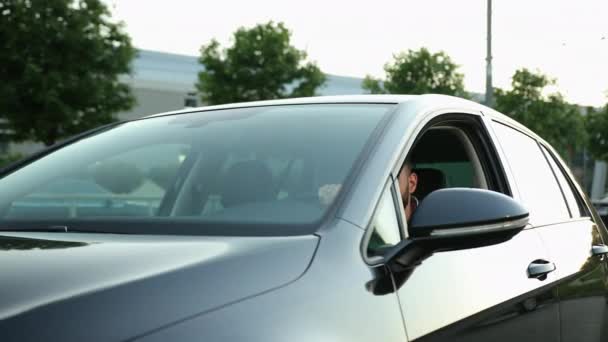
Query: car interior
x=444, y=157
x=237, y=170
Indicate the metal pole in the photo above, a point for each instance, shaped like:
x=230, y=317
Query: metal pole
x=489, y=87
x=585, y=170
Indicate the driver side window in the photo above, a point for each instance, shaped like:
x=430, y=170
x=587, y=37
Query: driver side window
x=444, y=156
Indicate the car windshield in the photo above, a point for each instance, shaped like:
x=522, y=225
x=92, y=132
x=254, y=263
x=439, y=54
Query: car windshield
x=247, y=171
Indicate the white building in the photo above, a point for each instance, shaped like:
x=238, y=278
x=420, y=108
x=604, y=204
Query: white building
x=164, y=81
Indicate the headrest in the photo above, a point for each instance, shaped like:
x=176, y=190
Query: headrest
x=429, y=180
x=245, y=182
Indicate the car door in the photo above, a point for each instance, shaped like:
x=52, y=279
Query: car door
x=579, y=251
x=571, y=236
x=486, y=293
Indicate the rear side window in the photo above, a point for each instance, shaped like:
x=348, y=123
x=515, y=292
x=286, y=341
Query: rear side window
x=571, y=198
x=537, y=185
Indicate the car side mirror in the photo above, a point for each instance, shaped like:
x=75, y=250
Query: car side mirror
x=458, y=218
x=460, y=212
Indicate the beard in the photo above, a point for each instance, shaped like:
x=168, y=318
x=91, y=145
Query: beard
x=406, y=195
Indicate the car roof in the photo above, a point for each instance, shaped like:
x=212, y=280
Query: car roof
x=424, y=104
x=388, y=99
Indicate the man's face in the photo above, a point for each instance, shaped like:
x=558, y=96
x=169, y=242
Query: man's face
x=408, y=181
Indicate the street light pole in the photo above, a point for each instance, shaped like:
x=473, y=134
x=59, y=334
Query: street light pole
x=489, y=87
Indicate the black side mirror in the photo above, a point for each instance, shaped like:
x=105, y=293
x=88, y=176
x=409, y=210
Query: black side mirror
x=458, y=212
x=458, y=218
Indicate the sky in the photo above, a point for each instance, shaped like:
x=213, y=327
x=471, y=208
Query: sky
x=567, y=40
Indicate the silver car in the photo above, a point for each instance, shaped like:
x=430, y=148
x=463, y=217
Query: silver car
x=357, y=218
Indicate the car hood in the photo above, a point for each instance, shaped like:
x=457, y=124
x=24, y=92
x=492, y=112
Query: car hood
x=113, y=287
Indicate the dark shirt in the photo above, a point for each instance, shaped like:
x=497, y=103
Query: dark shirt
x=414, y=204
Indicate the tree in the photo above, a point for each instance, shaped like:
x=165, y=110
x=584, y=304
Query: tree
x=419, y=72
x=550, y=116
x=261, y=64
x=7, y=159
x=596, y=124
x=59, y=68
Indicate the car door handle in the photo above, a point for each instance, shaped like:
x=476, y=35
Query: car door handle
x=540, y=268
x=599, y=250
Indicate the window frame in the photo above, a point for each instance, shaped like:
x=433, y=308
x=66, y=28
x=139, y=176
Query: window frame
x=585, y=212
x=476, y=129
x=511, y=176
x=390, y=186
x=481, y=138
x=489, y=157
x=483, y=142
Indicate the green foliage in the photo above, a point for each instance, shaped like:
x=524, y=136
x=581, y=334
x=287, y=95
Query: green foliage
x=10, y=158
x=550, y=116
x=374, y=86
x=261, y=64
x=59, y=67
x=419, y=72
x=596, y=123
x=118, y=177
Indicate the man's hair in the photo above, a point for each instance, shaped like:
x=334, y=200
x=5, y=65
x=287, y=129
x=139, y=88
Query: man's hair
x=408, y=163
